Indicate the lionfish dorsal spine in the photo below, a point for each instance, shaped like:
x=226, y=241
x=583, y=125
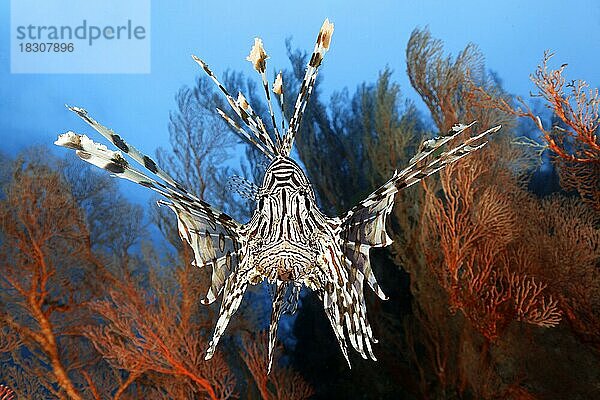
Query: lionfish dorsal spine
x=308, y=83
x=258, y=135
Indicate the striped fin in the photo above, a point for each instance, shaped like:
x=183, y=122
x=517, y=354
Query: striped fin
x=254, y=119
x=113, y=161
x=267, y=91
x=308, y=83
x=256, y=125
x=211, y=233
x=258, y=57
x=213, y=247
x=343, y=274
x=126, y=148
x=341, y=290
x=431, y=145
x=278, y=309
x=244, y=135
x=232, y=297
x=278, y=90
x=243, y=187
x=333, y=315
x=364, y=226
x=291, y=301
x=173, y=188
x=414, y=172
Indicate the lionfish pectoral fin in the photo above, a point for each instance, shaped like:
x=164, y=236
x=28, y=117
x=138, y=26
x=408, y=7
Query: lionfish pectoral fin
x=243, y=187
x=232, y=297
x=336, y=323
x=364, y=226
x=325, y=292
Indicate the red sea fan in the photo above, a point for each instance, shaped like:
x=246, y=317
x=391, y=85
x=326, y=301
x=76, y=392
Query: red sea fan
x=6, y=393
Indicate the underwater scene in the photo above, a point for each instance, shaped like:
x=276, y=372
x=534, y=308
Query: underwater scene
x=329, y=200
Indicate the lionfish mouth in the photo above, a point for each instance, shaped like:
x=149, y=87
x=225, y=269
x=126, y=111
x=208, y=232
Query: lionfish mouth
x=285, y=260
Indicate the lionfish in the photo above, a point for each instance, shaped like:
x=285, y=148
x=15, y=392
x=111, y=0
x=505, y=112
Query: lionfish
x=288, y=241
